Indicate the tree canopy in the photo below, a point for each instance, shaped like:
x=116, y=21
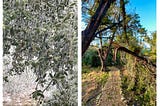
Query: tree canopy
x=42, y=36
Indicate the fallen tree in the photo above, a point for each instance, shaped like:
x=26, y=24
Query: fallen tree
x=118, y=47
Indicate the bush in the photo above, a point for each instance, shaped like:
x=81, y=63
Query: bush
x=91, y=58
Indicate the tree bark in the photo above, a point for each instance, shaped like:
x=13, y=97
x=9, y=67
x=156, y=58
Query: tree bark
x=102, y=59
x=89, y=32
x=104, y=52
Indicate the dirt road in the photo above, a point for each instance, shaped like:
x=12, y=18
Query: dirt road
x=111, y=92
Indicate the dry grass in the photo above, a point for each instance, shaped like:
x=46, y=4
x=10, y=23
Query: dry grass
x=91, y=85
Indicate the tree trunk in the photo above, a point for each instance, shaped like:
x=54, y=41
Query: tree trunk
x=102, y=59
x=123, y=11
x=104, y=52
x=89, y=33
x=104, y=66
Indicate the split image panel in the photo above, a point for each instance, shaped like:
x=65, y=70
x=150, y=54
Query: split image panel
x=40, y=53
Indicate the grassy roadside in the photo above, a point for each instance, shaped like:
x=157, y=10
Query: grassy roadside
x=92, y=82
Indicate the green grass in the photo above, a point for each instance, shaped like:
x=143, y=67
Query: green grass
x=87, y=69
x=100, y=79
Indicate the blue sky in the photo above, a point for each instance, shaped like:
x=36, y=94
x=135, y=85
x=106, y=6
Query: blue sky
x=146, y=9
x=147, y=12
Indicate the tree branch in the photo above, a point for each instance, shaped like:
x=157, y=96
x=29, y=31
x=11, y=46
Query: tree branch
x=109, y=27
x=136, y=55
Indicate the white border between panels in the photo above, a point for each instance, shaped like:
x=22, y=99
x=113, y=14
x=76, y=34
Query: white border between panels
x=1, y=53
x=158, y=52
x=79, y=56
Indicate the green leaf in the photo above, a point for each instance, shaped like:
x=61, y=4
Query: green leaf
x=72, y=4
x=58, y=24
x=34, y=64
x=37, y=93
x=66, y=17
x=6, y=78
x=50, y=75
x=65, y=73
x=44, y=75
x=37, y=80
